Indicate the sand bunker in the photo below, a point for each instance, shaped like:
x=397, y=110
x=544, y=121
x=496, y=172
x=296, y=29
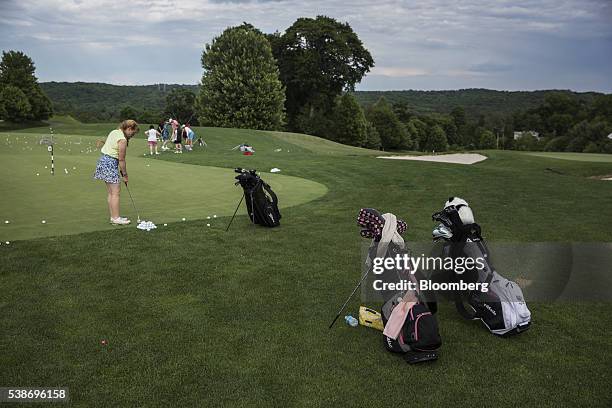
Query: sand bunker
x=458, y=158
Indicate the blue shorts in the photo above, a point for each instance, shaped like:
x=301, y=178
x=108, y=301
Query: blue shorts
x=107, y=169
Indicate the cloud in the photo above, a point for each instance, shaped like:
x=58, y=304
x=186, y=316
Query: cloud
x=421, y=43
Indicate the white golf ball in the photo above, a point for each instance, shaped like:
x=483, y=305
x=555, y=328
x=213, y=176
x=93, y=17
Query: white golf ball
x=183, y=218
x=208, y=218
x=38, y=174
x=208, y=225
x=44, y=221
x=7, y=242
x=165, y=225
x=215, y=216
x=6, y=221
x=46, y=167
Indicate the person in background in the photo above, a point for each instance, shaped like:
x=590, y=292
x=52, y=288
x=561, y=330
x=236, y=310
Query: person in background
x=112, y=163
x=152, y=136
x=176, y=137
x=166, y=134
x=190, y=136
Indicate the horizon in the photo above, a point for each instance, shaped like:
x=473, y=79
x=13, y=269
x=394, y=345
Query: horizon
x=509, y=45
x=359, y=90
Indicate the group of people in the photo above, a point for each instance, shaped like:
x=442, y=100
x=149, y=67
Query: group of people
x=171, y=131
x=111, y=167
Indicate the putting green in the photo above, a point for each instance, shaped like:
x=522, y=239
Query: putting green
x=587, y=157
x=71, y=202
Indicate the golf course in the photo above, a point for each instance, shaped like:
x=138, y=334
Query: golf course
x=191, y=315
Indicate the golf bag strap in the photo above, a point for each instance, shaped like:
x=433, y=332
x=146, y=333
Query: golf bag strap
x=270, y=192
x=459, y=300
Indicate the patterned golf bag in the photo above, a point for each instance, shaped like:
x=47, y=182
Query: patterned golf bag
x=419, y=337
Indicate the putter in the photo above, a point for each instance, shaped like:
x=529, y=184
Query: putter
x=132, y=199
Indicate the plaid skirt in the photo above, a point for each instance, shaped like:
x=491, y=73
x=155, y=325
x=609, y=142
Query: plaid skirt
x=107, y=169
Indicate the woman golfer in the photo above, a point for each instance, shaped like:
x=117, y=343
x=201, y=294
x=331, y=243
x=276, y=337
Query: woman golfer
x=111, y=162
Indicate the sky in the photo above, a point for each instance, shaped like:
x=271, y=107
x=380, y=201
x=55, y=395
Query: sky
x=418, y=44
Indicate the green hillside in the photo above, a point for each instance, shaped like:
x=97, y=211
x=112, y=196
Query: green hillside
x=99, y=101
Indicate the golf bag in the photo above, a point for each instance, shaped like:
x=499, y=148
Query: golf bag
x=419, y=338
x=261, y=201
x=502, y=308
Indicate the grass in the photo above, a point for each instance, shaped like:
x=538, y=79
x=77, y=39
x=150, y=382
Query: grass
x=588, y=157
x=71, y=202
x=199, y=317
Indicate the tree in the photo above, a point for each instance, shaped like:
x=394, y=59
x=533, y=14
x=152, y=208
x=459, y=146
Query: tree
x=15, y=105
x=372, y=137
x=240, y=86
x=391, y=131
x=180, y=105
x=128, y=112
x=487, y=140
x=349, y=121
x=17, y=72
x=318, y=59
x=436, y=140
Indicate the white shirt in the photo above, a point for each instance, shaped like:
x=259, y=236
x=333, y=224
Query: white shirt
x=152, y=133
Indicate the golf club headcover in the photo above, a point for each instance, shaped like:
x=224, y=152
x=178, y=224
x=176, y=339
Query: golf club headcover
x=372, y=223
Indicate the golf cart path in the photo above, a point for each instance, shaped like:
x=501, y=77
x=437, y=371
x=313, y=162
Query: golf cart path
x=455, y=158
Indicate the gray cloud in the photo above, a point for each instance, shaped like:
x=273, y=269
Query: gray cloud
x=421, y=44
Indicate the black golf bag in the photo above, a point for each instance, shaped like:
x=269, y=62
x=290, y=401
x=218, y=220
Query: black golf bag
x=501, y=308
x=261, y=201
x=419, y=338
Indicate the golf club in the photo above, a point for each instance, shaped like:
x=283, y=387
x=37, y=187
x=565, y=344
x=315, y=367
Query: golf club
x=349, y=298
x=132, y=199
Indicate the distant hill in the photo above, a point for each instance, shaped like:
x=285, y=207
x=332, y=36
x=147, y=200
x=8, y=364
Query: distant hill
x=98, y=101
x=91, y=101
x=474, y=101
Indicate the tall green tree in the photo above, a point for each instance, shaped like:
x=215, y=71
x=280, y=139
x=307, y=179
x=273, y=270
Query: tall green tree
x=14, y=104
x=392, y=132
x=318, y=59
x=372, y=137
x=350, y=126
x=180, y=105
x=240, y=86
x=487, y=140
x=17, y=71
x=436, y=140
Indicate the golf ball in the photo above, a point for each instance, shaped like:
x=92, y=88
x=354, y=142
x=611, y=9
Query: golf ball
x=208, y=225
x=38, y=174
x=6, y=221
x=208, y=218
x=165, y=225
x=7, y=242
x=183, y=218
x=215, y=216
x=44, y=222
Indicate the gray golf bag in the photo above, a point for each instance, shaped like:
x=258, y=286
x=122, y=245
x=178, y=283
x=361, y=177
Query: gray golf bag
x=502, y=308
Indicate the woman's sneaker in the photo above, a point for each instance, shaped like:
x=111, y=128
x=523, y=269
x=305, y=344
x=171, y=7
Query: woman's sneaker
x=119, y=221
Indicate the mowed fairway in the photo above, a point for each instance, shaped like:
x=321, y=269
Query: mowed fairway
x=195, y=316
x=71, y=202
x=588, y=157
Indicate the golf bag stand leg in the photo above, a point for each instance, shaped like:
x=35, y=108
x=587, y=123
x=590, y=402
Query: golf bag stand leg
x=237, y=207
x=349, y=298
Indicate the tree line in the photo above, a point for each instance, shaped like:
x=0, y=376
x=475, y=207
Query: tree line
x=303, y=80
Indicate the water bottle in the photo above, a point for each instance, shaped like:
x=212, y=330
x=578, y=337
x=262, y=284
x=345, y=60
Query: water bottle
x=351, y=321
